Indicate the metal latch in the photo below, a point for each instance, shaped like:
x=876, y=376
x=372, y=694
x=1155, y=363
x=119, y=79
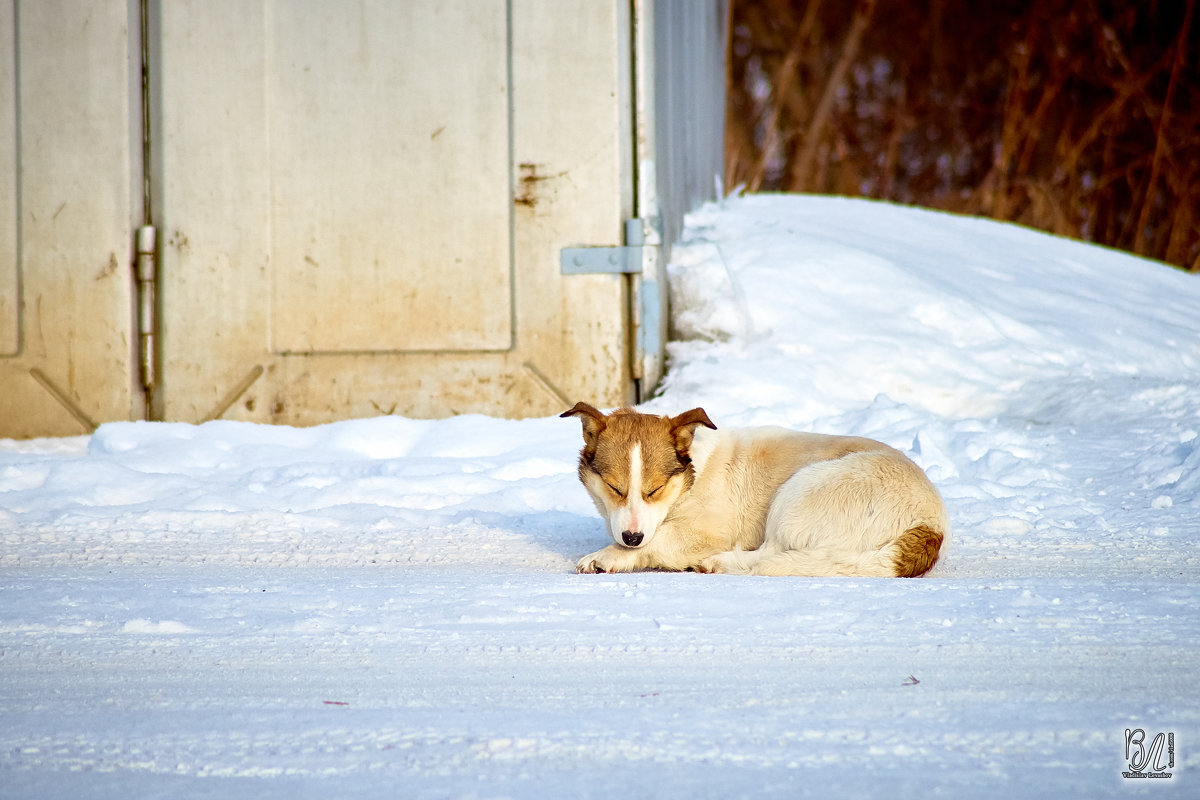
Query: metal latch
x=616, y=260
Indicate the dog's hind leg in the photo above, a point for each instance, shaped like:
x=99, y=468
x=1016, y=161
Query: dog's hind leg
x=864, y=514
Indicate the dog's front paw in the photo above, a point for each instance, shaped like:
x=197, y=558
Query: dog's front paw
x=712, y=565
x=610, y=559
x=588, y=566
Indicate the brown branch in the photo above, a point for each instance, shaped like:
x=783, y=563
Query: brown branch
x=858, y=28
x=1078, y=116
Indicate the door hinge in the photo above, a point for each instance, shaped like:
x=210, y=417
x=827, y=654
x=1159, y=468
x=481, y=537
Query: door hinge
x=628, y=259
x=146, y=304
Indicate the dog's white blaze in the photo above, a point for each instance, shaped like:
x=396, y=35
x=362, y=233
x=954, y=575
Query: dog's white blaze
x=627, y=516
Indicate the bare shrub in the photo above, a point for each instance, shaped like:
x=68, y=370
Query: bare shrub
x=1079, y=117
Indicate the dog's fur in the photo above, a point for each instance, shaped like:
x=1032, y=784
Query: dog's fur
x=679, y=495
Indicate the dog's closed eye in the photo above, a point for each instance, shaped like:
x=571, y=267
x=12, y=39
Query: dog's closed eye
x=653, y=492
x=616, y=491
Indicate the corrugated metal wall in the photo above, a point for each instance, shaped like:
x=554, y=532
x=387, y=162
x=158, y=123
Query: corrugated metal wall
x=689, y=51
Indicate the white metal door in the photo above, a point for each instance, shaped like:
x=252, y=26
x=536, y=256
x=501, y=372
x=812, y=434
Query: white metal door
x=361, y=206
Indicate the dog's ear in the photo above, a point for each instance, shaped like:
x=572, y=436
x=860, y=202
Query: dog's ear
x=594, y=422
x=683, y=428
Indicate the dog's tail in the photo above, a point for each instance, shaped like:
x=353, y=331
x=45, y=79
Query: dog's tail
x=909, y=555
x=915, y=551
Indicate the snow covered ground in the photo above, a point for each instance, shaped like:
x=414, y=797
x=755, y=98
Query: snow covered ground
x=387, y=607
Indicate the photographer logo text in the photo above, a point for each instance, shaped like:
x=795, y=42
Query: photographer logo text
x=1149, y=755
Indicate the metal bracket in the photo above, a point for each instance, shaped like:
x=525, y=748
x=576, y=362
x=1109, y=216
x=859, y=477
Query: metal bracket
x=626, y=259
x=601, y=260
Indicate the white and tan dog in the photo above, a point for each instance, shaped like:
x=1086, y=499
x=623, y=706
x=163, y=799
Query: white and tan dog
x=677, y=494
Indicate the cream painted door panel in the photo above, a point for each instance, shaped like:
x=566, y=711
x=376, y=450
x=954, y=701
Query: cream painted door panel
x=66, y=143
x=361, y=206
x=388, y=165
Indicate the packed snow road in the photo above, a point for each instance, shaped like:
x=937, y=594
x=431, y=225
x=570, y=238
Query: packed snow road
x=387, y=607
x=366, y=682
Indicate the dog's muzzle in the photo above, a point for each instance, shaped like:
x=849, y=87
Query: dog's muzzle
x=631, y=539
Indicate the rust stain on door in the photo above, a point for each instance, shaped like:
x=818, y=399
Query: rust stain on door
x=529, y=183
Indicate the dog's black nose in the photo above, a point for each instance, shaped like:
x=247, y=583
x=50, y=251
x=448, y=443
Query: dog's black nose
x=631, y=539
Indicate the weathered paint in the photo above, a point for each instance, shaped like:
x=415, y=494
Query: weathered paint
x=66, y=347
